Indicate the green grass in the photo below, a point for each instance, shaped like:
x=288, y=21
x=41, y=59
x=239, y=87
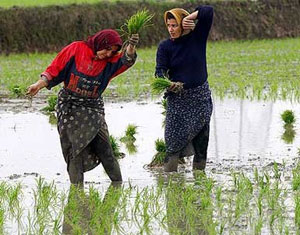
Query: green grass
x=259, y=69
x=31, y=3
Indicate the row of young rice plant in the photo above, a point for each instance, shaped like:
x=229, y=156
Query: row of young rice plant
x=266, y=201
x=259, y=69
x=33, y=3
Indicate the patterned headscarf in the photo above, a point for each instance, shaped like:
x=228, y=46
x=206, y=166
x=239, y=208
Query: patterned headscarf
x=178, y=14
x=104, y=39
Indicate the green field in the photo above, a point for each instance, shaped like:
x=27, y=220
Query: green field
x=260, y=69
x=32, y=3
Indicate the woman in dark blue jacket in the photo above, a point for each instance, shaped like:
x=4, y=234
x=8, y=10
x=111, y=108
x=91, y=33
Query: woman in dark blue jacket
x=182, y=59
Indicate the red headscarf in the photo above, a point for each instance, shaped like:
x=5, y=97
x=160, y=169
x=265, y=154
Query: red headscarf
x=104, y=39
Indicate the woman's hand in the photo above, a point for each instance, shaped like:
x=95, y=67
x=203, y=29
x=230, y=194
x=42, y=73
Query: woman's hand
x=176, y=87
x=188, y=24
x=33, y=89
x=132, y=42
x=134, y=39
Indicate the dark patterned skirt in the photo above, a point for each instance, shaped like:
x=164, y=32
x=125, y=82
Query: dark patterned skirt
x=79, y=121
x=187, y=113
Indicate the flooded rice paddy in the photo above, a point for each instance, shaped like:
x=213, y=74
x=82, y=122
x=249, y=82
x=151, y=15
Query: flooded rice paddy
x=248, y=143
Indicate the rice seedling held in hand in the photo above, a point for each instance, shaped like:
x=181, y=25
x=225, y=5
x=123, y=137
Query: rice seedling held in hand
x=136, y=23
x=160, y=85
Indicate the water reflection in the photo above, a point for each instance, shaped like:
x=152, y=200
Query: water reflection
x=185, y=211
x=289, y=134
x=88, y=213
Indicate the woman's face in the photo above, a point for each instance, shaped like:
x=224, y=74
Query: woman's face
x=107, y=53
x=174, y=29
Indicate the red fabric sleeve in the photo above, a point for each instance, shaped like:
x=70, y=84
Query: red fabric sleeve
x=60, y=61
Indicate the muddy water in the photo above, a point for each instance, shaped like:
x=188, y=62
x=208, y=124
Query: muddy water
x=243, y=135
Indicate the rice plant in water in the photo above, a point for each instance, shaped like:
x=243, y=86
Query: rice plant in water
x=130, y=133
x=17, y=90
x=288, y=117
x=136, y=23
x=52, y=100
x=160, y=155
x=129, y=138
x=116, y=147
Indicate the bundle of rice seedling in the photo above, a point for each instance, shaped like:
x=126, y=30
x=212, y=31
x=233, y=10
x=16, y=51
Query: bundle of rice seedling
x=116, y=147
x=129, y=133
x=159, y=85
x=159, y=157
x=135, y=23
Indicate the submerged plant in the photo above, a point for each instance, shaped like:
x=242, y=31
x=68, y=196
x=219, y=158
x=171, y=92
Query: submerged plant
x=136, y=23
x=160, y=155
x=288, y=117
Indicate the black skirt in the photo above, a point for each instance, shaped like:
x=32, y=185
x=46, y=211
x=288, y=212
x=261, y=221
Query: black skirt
x=79, y=121
x=187, y=113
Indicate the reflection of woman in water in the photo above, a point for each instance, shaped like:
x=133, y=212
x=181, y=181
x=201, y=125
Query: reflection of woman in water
x=86, y=68
x=89, y=214
x=182, y=58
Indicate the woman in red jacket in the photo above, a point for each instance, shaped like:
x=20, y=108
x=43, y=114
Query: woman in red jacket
x=86, y=68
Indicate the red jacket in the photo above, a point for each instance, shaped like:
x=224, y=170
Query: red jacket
x=75, y=65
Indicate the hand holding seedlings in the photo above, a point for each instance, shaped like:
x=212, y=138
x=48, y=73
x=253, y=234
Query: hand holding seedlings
x=176, y=87
x=134, y=39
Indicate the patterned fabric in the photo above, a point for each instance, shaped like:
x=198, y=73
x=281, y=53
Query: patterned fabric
x=187, y=114
x=79, y=121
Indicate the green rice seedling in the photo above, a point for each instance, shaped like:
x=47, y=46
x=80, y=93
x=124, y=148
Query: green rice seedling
x=116, y=147
x=129, y=138
x=130, y=133
x=160, y=155
x=297, y=209
x=296, y=178
x=276, y=171
x=136, y=23
x=18, y=90
x=2, y=219
x=160, y=85
x=52, y=118
x=14, y=194
x=52, y=101
x=288, y=117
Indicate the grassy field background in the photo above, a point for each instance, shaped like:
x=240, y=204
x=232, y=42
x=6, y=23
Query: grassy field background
x=260, y=69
